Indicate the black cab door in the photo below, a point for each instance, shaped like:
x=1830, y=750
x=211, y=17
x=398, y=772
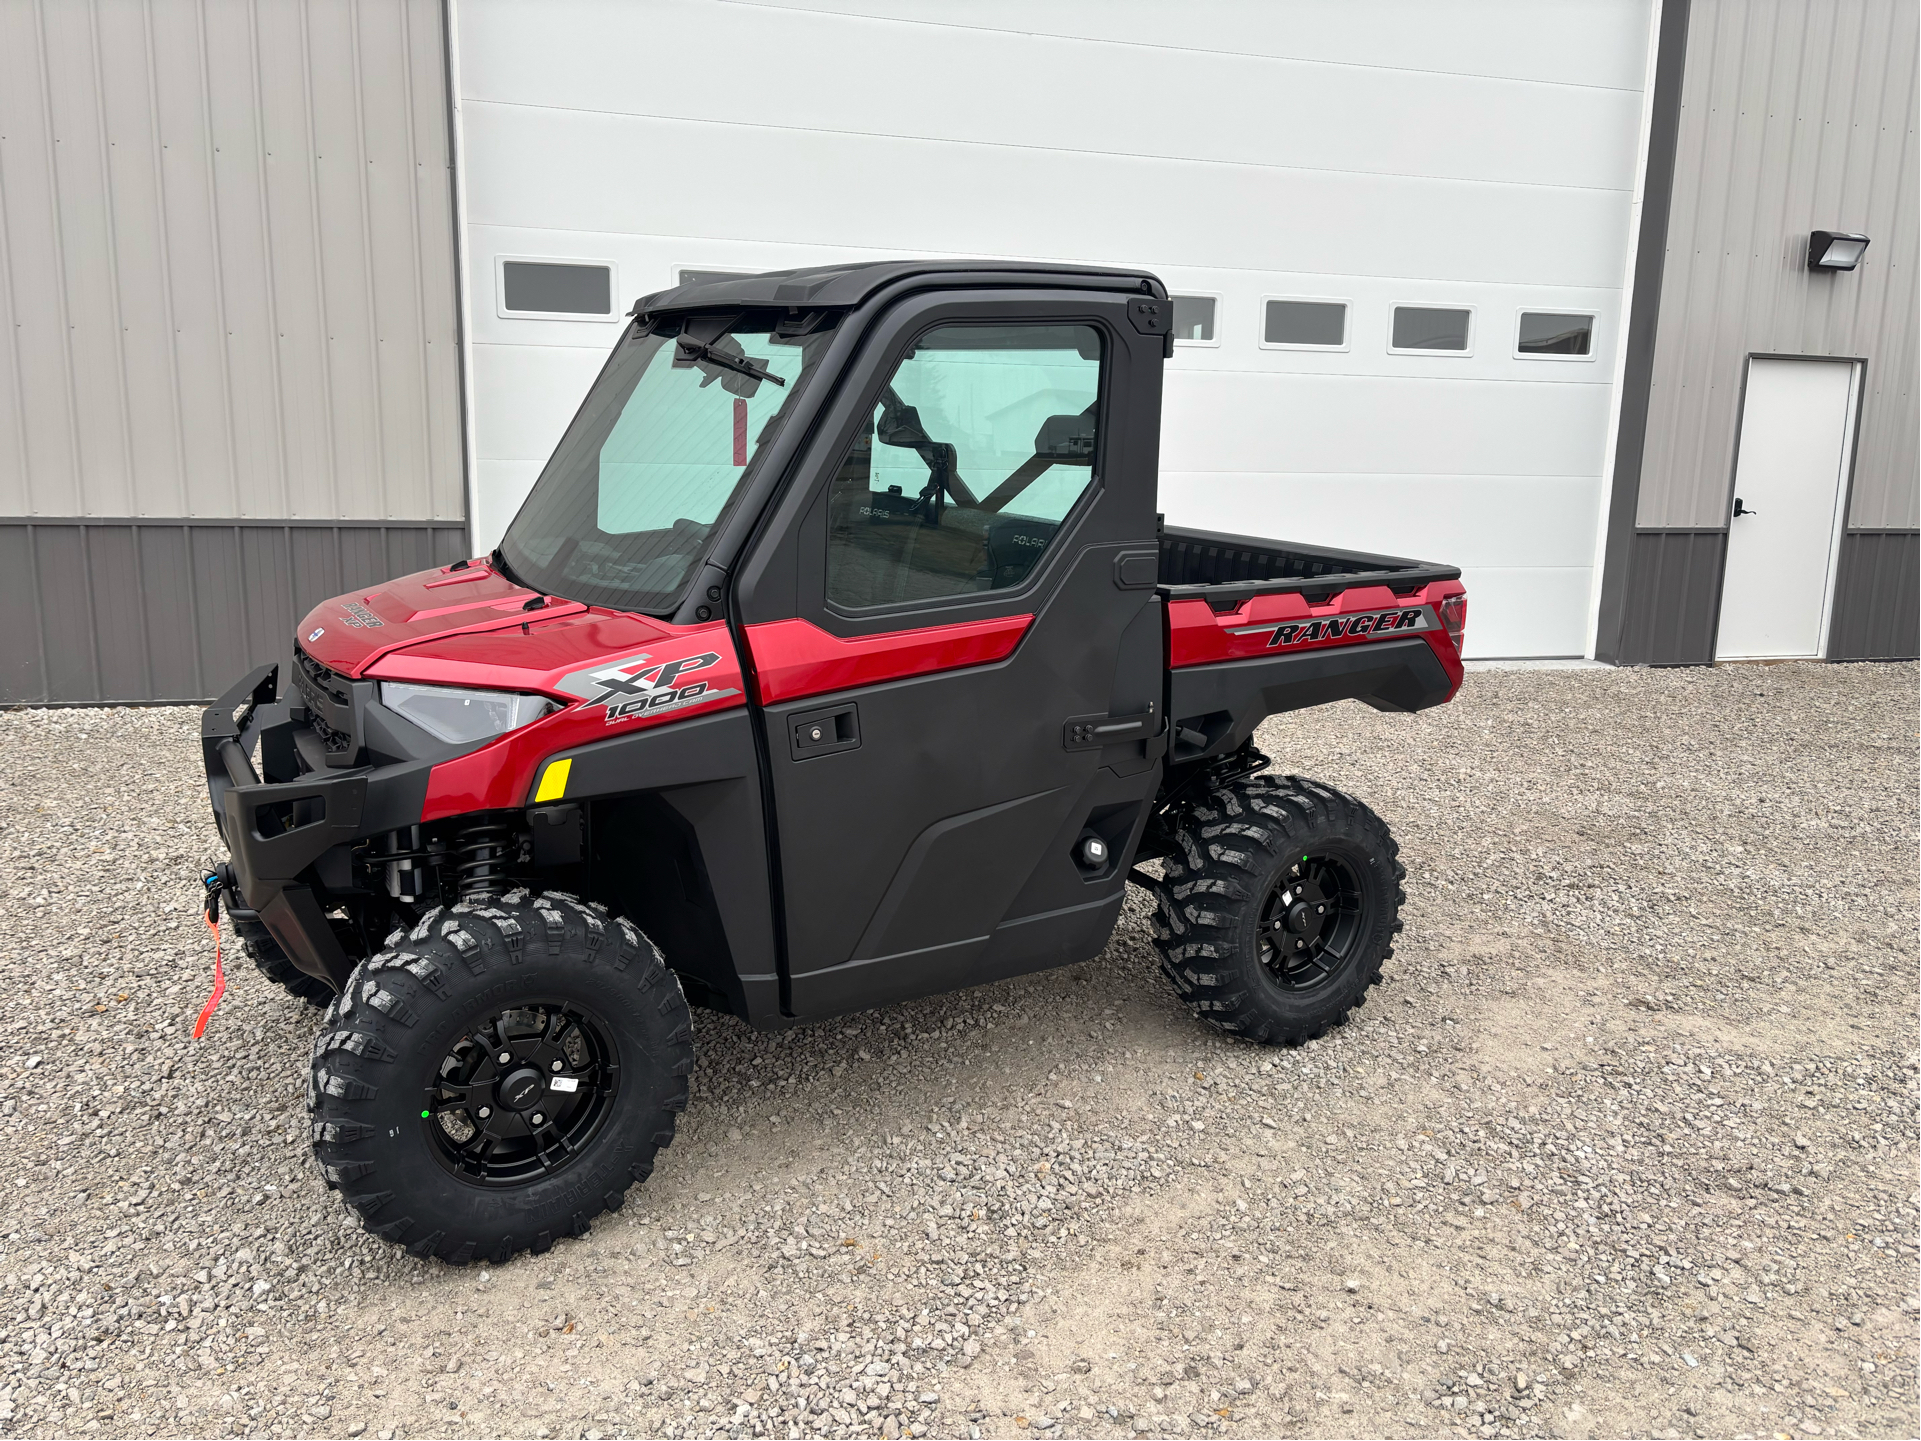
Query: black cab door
x=956, y=646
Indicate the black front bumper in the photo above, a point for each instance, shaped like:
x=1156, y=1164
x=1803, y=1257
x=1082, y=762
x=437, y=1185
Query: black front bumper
x=283, y=831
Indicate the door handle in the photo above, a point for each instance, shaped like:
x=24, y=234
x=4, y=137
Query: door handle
x=823, y=732
x=1093, y=732
x=1740, y=510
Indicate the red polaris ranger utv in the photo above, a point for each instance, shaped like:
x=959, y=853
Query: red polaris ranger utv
x=837, y=657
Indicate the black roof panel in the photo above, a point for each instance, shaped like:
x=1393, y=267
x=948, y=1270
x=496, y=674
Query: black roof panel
x=827, y=287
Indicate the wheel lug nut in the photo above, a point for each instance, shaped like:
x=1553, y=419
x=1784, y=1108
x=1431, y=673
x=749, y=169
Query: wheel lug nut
x=506, y=1057
x=554, y=1067
x=539, y=1119
x=1320, y=910
x=484, y=1112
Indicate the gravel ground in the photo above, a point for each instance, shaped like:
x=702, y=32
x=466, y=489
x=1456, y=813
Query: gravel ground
x=1625, y=1145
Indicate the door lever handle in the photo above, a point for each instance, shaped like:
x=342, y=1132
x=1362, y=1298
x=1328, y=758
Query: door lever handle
x=1091, y=732
x=1739, y=509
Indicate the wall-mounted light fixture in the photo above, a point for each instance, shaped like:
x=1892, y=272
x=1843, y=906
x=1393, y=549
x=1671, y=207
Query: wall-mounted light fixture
x=1833, y=250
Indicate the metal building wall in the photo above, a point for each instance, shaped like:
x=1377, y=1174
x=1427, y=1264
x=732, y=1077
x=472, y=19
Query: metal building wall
x=1793, y=115
x=227, y=281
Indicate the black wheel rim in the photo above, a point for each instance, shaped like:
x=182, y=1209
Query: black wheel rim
x=522, y=1094
x=1312, y=922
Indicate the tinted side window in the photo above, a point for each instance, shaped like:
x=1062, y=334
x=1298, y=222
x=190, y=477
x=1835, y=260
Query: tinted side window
x=982, y=441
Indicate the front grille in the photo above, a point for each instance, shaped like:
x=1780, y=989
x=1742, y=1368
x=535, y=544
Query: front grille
x=322, y=679
x=329, y=702
x=335, y=741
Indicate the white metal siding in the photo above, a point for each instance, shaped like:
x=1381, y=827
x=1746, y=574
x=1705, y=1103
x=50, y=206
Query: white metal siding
x=227, y=257
x=1795, y=115
x=1476, y=154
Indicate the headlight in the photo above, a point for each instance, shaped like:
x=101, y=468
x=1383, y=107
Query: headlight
x=454, y=713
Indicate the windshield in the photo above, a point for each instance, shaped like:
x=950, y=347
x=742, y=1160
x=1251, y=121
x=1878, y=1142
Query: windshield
x=624, y=509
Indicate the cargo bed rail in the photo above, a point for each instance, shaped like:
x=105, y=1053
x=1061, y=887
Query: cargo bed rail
x=1225, y=570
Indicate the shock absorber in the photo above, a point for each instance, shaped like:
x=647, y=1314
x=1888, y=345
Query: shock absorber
x=482, y=852
x=406, y=879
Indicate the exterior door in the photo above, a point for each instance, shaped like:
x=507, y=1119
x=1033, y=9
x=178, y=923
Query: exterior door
x=974, y=569
x=1797, y=437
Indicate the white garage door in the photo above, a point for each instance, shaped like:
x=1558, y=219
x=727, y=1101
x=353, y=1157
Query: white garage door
x=1404, y=228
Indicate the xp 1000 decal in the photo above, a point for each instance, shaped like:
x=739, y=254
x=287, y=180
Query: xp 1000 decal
x=1334, y=627
x=640, y=685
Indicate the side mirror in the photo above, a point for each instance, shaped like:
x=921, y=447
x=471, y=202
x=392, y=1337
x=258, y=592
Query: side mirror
x=1066, y=439
x=899, y=423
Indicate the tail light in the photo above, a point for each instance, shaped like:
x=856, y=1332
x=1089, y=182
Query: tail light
x=1454, y=619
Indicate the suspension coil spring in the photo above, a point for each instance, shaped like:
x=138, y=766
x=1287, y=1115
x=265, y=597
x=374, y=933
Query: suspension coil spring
x=483, y=852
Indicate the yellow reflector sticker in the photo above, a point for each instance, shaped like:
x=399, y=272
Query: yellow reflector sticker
x=553, y=785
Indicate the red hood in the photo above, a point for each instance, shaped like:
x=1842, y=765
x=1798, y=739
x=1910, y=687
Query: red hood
x=468, y=627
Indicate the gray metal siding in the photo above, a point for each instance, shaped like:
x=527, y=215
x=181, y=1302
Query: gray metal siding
x=1877, y=598
x=226, y=262
x=1674, y=577
x=1617, y=605
x=136, y=610
x=1796, y=114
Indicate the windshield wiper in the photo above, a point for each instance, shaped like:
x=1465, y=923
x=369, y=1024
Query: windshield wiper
x=726, y=360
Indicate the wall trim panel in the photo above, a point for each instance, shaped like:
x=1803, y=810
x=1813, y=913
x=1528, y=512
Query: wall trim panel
x=1621, y=545
x=1877, y=597
x=1672, y=597
x=125, y=611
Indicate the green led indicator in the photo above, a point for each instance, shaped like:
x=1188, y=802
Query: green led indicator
x=424, y=1115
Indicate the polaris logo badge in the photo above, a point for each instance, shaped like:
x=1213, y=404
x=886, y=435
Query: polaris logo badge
x=315, y=634
x=631, y=688
x=1353, y=627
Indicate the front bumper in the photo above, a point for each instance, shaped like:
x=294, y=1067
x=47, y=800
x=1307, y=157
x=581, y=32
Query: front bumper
x=282, y=832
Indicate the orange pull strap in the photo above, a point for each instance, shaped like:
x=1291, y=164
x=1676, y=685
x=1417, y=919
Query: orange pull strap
x=219, y=982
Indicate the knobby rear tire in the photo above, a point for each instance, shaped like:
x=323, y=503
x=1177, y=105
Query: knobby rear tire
x=1236, y=849
x=405, y=1008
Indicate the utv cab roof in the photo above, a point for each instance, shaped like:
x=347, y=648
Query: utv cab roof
x=838, y=287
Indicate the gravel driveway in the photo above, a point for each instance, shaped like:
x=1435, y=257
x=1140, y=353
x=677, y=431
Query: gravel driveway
x=1625, y=1145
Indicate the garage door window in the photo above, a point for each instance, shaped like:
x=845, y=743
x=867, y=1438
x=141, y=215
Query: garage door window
x=702, y=277
x=980, y=444
x=1288, y=324
x=1551, y=335
x=1194, y=320
x=556, y=289
x=1430, y=329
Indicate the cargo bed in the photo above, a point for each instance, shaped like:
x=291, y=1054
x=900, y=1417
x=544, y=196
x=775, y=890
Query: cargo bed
x=1226, y=570
x=1260, y=627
